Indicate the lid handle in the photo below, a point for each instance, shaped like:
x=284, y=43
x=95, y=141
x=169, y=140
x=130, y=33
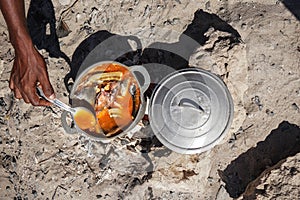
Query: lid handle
x=185, y=102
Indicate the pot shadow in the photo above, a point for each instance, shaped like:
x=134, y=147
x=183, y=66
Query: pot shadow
x=103, y=46
x=241, y=173
x=161, y=58
x=293, y=6
x=40, y=17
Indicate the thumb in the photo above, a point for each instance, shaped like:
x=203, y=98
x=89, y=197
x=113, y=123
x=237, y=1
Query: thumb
x=47, y=88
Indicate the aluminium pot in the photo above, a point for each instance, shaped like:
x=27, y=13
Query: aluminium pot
x=84, y=93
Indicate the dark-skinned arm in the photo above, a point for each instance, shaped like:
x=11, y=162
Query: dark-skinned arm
x=29, y=68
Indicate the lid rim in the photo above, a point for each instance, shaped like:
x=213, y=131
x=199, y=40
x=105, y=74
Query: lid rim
x=226, y=126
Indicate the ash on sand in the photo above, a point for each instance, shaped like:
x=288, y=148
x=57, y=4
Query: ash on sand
x=261, y=69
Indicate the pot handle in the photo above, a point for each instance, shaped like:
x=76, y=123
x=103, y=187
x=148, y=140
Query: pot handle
x=68, y=129
x=142, y=70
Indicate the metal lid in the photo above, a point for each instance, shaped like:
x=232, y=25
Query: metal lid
x=190, y=110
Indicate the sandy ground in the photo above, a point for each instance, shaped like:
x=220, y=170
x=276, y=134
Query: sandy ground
x=253, y=46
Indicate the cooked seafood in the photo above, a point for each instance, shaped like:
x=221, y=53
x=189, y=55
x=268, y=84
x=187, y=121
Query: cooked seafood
x=117, y=98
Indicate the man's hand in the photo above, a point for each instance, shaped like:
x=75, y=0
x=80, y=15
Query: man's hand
x=29, y=69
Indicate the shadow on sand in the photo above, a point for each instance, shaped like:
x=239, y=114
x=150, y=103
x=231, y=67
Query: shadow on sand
x=106, y=46
x=103, y=46
x=293, y=6
x=40, y=15
x=279, y=145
